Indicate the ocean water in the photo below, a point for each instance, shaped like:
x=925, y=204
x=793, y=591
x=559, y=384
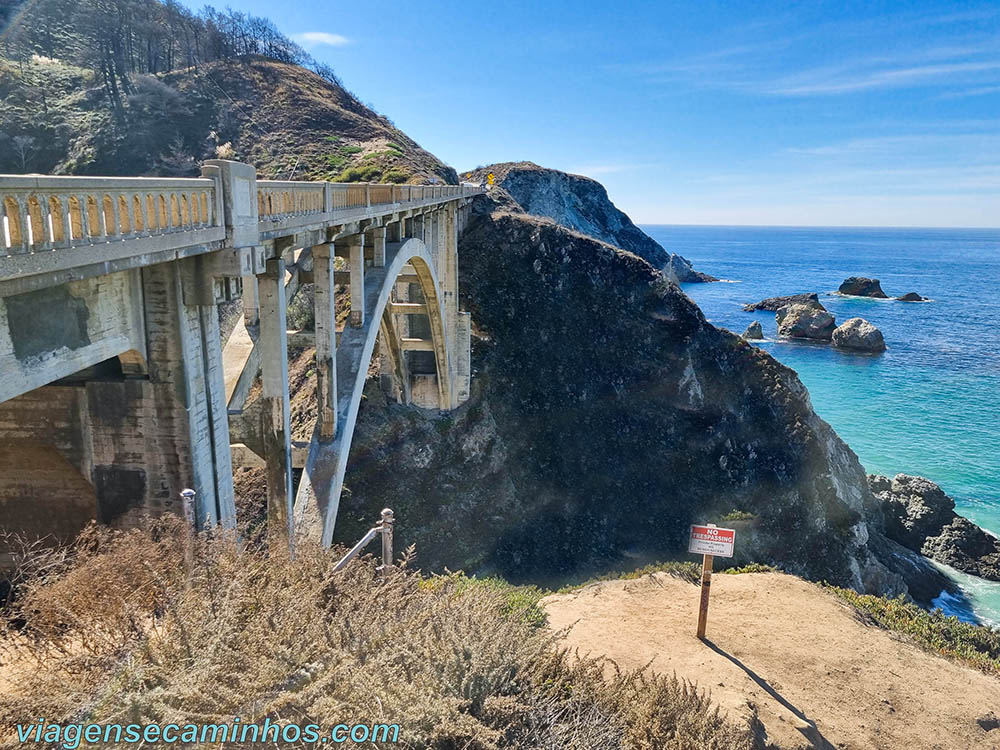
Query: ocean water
x=930, y=405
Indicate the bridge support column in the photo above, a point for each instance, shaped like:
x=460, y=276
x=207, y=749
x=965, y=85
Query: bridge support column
x=377, y=239
x=251, y=313
x=326, y=338
x=356, y=255
x=275, y=412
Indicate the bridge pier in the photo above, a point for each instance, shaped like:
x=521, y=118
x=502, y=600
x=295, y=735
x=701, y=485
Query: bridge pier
x=275, y=411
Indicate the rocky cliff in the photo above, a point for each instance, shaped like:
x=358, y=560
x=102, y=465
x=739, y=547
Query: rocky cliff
x=606, y=416
x=581, y=204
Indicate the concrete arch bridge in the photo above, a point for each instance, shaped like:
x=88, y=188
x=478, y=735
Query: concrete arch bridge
x=116, y=388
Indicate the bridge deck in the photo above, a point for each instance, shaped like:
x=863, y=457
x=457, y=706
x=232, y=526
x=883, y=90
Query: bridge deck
x=68, y=228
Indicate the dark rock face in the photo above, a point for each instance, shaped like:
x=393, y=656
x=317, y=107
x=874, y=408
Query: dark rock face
x=859, y=286
x=581, y=204
x=805, y=322
x=773, y=304
x=607, y=414
x=754, y=332
x=684, y=273
x=859, y=335
x=921, y=517
x=911, y=297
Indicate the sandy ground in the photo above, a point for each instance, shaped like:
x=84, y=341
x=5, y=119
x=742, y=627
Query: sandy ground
x=818, y=677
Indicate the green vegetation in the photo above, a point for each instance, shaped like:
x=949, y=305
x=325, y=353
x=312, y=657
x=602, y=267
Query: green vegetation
x=397, y=176
x=751, y=568
x=947, y=635
x=153, y=626
x=738, y=515
x=368, y=173
x=686, y=571
x=349, y=150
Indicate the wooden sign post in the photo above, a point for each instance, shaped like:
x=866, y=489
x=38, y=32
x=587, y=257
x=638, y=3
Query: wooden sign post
x=710, y=542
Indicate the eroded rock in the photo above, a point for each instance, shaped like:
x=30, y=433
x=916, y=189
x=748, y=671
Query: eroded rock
x=754, y=332
x=803, y=321
x=773, y=304
x=861, y=286
x=921, y=517
x=911, y=297
x=858, y=334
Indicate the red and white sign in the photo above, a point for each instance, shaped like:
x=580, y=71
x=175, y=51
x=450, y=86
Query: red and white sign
x=711, y=540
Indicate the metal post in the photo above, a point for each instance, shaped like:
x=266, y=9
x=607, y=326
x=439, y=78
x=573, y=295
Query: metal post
x=188, y=509
x=387, y=520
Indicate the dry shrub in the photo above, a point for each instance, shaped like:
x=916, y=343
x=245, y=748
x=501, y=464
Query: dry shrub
x=122, y=629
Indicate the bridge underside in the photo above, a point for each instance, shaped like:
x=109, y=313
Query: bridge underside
x=116, y=392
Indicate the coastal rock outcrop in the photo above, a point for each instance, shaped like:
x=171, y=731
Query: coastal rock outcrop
x=803, y=321
x=858, y=334
x=911, y=297
x=583, y=205
x=860, y=286
x=575, y=453
x=773, y=304
x=754, y=332
x=921, y=517
x=685, y=273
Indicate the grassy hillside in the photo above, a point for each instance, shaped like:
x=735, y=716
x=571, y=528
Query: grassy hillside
x=69, y=107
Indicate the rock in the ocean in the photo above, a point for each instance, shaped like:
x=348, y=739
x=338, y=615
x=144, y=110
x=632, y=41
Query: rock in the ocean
x=966, y=547
x=860, y=335
x=773, y=304
x=754, y=332
x=682, y=269
x=800, y=321
x=859, y=286
x=921, y=517
x=911, y=297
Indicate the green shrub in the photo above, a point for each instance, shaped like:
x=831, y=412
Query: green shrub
x=397, y=176
x=752, y=568
x=348, y=150
x=947, y=635
x=359, y=174
x=738, y=515
x=686, y=571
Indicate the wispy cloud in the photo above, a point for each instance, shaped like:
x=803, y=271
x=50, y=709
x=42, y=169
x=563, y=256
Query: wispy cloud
x=321, y=38
x=784, y=65
x=884, y=78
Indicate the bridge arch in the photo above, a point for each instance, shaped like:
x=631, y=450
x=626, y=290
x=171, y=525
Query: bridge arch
x=318, y=497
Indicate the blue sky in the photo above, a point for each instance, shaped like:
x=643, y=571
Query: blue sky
x=820, y=113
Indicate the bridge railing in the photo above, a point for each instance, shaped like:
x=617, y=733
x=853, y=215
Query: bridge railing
x=55, y=224
x=45, y=214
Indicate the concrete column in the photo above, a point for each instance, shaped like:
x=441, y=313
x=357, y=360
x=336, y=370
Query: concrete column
x=356, y=255
x=394, y=231
x=377, y=238
x=251, y=313
x=275, y=424
x=448, y=267
x=326, y=339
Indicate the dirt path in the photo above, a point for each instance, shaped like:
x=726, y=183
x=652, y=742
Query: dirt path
x=818, y=677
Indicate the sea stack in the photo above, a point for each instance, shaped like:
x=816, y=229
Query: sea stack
x=860, y=286
x=754, y=332
x=859, y=335
x=800, y=321
x=911, y=297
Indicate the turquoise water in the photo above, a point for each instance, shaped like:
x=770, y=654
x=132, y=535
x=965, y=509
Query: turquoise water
x=931, y=404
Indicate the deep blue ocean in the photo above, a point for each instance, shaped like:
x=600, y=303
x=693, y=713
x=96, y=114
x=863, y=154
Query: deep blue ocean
x=931, y=404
